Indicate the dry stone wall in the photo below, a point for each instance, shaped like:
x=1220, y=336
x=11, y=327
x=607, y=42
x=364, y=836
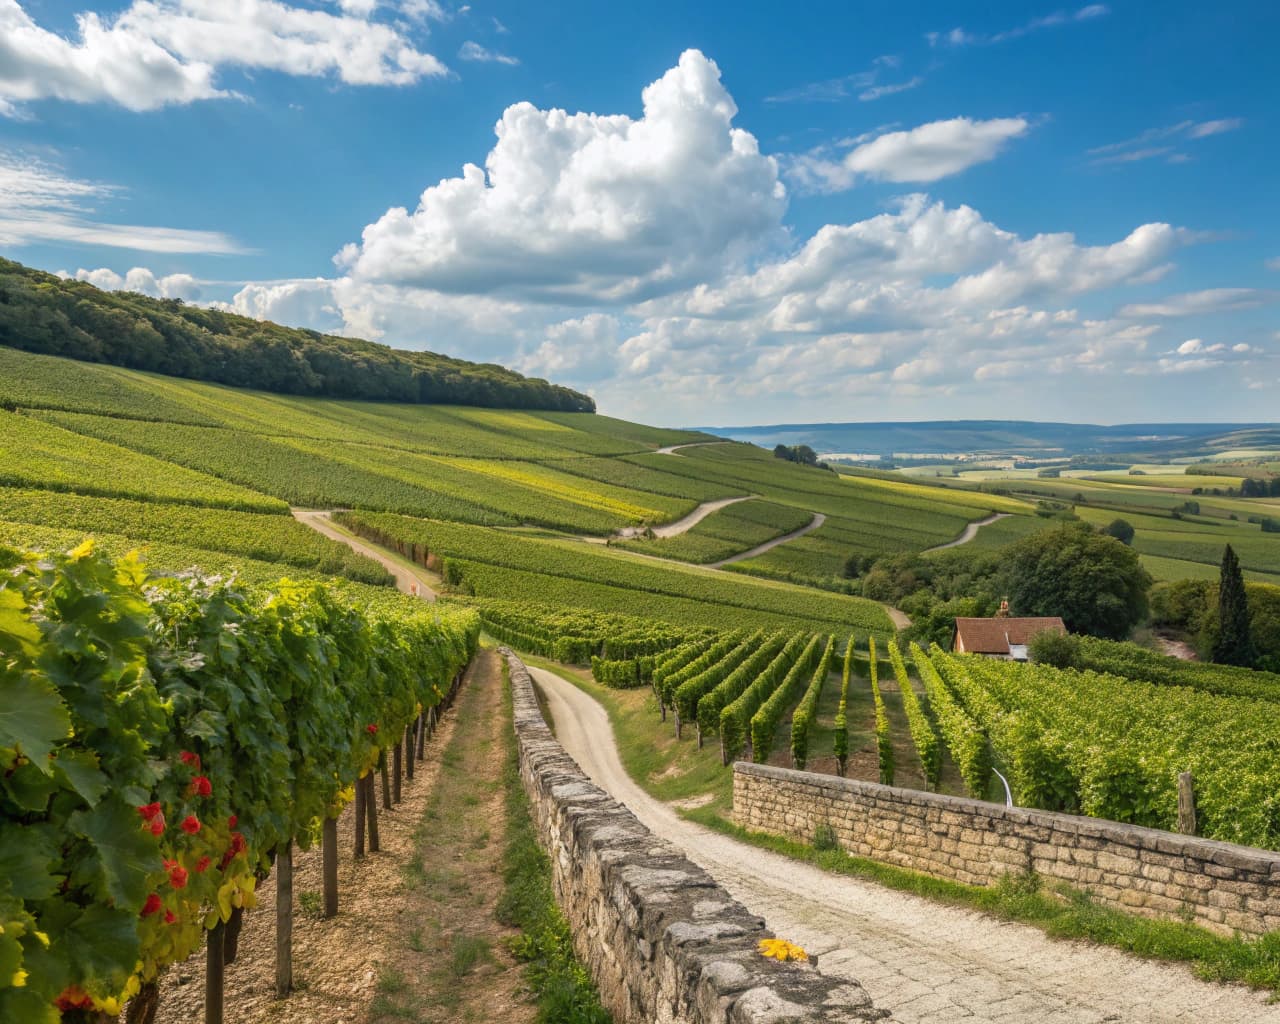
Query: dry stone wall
x=663, y=941
x=1146, y=871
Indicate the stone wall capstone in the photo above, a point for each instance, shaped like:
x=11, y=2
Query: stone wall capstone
x=662, y=940
x=1146, y=871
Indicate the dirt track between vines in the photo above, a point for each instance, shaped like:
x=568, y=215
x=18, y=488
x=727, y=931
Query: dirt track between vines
x=923, y=961
x=970, y=532
x=390, y=954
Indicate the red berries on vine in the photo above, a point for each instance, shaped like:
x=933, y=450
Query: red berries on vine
x=371, y=729
x=193, y=760
x=201, y=786
x=152, y=905
x=191, y=824
x=177, y=874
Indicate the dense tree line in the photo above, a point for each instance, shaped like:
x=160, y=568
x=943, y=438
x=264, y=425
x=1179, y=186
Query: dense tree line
x=801, y=454
x=40, y=312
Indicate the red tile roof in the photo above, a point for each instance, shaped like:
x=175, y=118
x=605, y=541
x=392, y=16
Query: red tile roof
x=994, y=636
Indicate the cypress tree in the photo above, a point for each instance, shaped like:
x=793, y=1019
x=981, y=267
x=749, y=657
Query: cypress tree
x=1233, y=646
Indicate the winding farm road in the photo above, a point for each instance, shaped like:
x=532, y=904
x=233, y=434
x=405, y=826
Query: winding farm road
x=696, y=516
x=769, y=545
x=923, y=961
x=970, y=532
x=674, y=449
x=409, y=578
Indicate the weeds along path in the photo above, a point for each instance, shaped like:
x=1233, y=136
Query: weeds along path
x=970, y=532
x=409, y=578
x=415, y=938
x=923, y=961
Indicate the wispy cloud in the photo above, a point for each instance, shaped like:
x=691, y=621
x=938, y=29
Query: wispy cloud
x=876, y=91
x=475, y=52
x=1161, y=142
x=1210, y=300
x=958, y=37
x=866, y=85
x=39, y=203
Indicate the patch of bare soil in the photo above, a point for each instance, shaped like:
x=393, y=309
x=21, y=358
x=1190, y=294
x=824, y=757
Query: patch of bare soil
x=415, y=938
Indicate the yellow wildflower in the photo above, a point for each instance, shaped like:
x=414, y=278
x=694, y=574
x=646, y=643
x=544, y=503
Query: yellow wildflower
x=781, y=949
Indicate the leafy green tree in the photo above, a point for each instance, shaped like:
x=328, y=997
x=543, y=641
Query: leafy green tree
x=1095, y=583
x=1121, y=529
x=1049, y=647
x=933, y=621
x=1234, y=645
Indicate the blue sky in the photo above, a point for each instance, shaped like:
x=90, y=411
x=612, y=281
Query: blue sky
x=699, y=213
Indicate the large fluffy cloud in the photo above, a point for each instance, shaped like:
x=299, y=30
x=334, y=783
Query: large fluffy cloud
x=159, y=52
x=588, y=206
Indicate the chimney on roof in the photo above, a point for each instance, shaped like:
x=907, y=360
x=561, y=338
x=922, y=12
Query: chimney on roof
x=1003, y=613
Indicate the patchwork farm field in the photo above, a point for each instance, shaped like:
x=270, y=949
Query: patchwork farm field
x=1179, y=533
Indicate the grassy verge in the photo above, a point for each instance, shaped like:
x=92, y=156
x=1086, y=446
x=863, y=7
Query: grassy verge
x=564, y=991
x=672, y=772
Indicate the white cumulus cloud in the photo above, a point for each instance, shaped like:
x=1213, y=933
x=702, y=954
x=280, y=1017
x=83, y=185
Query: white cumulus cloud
x=142, y=280
x=160, y=52
x=586, y=205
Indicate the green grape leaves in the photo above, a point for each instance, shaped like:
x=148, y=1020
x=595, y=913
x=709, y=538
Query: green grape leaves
x=33, y=718
x=27, y=858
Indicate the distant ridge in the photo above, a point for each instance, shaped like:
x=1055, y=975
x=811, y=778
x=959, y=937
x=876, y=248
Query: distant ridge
x=1011, y=436
x=43, y=313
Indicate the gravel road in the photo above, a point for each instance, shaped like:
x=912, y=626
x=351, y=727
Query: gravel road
x=818, y=520
x=409, y=579
x=923, y=961
x=970, y=532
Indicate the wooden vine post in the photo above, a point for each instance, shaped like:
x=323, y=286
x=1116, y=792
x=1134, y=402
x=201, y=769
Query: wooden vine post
x=214, y=975
x=409, y=734
x=386, y=780
x=397, y=768
x=329, y=865
x=360, y=816
x=1186, y=803
x=284, y=920
x=371, y=809
x=231, y=935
